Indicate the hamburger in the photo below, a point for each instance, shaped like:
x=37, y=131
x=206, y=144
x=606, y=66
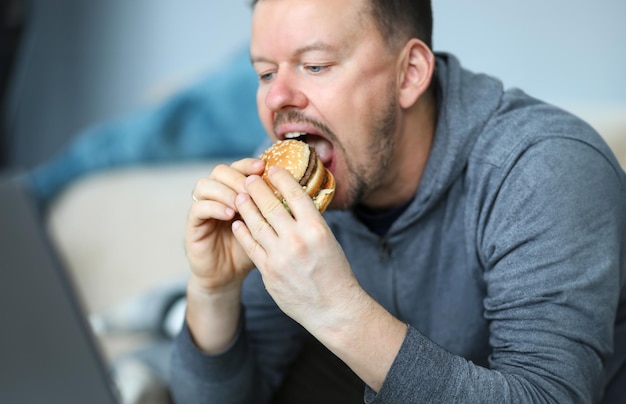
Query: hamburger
x=306, y=167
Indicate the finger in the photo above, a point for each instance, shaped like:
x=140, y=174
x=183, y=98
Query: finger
x=210, y=189
x=203, y=219
x=204, y=210
x=249, y=166
x=249, y=244
x=271, y=208
x=232, y=176
x=293, y=193
x=259, y=228
x=229, y=176
x=225, y=182
x=236, y=174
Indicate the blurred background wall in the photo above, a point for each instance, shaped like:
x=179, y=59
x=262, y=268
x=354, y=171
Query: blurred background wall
x=84, y=61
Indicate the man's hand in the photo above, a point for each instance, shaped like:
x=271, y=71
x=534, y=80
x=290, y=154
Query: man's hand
x=302, y=264
x=216, y=258
x=218, y=263
x=306, y=272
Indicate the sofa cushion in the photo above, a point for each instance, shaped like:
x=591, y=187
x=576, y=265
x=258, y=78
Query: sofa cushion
x=121, y=232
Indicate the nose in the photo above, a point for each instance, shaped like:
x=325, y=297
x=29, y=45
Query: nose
x=284, y=92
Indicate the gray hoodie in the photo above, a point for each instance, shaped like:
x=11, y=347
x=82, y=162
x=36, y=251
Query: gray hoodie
x=507, y=266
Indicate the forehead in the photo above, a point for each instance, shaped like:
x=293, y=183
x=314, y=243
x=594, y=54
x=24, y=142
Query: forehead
x=276, y=22
x=310, y=6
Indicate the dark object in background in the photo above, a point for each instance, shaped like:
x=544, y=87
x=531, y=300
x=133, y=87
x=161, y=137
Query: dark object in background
x=12, y=20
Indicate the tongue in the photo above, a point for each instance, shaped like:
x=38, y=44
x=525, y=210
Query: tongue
x=323, y=148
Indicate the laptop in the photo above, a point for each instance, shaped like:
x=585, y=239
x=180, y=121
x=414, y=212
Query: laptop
x=48, y=353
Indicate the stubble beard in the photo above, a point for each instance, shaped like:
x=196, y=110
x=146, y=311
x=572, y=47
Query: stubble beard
x=369, y=176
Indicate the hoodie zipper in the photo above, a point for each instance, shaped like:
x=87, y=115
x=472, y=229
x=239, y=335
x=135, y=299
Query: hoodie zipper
x=385, y=252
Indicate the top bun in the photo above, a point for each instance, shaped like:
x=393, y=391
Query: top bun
x=292, y=155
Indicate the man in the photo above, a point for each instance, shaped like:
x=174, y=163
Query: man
x=476, y=251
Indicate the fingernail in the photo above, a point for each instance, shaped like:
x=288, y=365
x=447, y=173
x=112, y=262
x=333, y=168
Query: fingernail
x=240, y=198
x=229, y=212
x=251, y=178
x=272, y=170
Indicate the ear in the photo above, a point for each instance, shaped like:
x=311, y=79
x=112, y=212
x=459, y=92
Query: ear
x=415, y=71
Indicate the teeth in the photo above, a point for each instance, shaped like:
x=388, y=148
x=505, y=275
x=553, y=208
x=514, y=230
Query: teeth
x=294, y=135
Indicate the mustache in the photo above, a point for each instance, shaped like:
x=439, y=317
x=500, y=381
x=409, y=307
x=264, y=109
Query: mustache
x=294, y=116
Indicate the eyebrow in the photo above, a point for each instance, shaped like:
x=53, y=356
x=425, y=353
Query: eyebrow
x=314, y=47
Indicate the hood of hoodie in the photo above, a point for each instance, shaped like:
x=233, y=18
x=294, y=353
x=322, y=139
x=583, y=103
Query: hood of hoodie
x=465, y=103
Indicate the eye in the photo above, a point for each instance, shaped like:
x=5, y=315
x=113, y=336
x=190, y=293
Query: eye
x=265, y=77
x=316, y=69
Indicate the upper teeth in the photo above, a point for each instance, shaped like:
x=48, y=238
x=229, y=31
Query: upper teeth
x=293, y=135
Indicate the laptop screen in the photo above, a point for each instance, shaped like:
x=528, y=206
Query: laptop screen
x=48, y=352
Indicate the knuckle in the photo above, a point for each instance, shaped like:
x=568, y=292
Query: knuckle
x=298, y=246
x=202, y=183
x=260, y=227
x=219, y=170
x=295, y=193
x=251, y=249
x=271, y=206
x=193, y=211
x=317, y=231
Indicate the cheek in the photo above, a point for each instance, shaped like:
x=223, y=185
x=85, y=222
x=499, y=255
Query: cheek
x=359, y=100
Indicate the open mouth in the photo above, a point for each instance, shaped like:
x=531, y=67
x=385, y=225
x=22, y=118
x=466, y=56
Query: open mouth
x=296, y=135
x=323, y=147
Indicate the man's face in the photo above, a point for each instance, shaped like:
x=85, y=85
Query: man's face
x=326, y=72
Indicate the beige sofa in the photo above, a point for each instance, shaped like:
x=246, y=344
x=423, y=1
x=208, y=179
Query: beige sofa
x=121, y=232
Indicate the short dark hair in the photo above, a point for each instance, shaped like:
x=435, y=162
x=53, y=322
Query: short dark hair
x=400, y=20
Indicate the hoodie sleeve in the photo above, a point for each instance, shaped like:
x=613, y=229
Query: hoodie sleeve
x=252, y=368
x=551, y=245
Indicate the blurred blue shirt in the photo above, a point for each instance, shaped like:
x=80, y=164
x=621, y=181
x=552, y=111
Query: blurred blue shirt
x=215, y=117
